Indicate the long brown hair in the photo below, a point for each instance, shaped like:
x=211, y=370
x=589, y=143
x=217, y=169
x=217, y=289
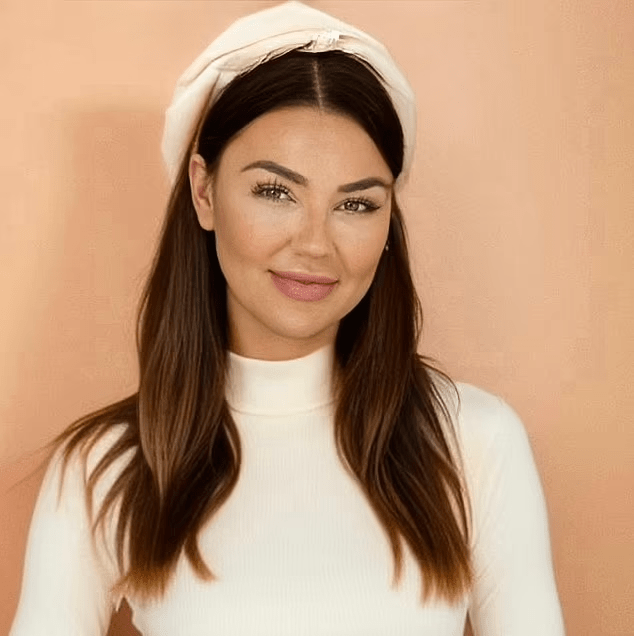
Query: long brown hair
x=392, y=426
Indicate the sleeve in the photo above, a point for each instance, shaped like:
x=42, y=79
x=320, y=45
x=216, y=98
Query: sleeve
x=515, y=592
x=66, y=580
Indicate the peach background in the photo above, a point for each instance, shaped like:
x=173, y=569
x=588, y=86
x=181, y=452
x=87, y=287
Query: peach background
x=520, y=214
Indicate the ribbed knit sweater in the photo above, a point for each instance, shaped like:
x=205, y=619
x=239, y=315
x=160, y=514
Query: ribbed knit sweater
x=297, y=549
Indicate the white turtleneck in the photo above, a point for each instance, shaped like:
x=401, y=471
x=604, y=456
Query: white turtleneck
x=297, y=549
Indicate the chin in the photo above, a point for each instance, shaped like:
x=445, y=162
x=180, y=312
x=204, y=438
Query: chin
x=305, y=330
x=301, y=334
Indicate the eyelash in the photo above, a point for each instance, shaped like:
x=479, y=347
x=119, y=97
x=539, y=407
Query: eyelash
x=269, y=188
x=272, y=189
x=369, y=205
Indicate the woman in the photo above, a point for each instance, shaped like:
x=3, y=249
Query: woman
x=290, y=464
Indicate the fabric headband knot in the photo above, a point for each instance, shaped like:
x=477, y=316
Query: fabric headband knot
x=251, y=40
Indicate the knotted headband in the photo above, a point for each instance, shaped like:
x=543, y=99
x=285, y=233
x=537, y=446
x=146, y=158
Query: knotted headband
x=260, y=36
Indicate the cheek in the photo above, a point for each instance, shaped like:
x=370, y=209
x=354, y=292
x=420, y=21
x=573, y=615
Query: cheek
x=243, y=237
x=363, y=250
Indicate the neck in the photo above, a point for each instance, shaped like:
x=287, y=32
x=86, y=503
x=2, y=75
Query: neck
x=268, y=386
x=279, y=348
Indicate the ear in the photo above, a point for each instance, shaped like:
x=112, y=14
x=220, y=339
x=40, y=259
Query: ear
x=200, y=182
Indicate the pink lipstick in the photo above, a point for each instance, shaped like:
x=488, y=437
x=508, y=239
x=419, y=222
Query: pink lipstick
x=300, y=286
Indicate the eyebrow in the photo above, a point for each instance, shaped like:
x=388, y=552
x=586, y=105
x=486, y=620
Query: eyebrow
x=295, y=177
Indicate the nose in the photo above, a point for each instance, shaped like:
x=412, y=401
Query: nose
x=313, y=232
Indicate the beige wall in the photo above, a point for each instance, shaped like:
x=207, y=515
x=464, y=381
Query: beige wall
x=520, y=213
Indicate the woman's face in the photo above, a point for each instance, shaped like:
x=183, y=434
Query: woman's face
x=300, y=204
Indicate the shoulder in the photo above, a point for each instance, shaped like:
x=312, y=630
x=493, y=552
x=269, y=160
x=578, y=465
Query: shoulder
x=69, y=469
x=482, y=417
x=65, y=496
x=488, y=430
x=85, y=455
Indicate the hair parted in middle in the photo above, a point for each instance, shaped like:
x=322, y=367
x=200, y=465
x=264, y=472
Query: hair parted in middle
x=392, y=426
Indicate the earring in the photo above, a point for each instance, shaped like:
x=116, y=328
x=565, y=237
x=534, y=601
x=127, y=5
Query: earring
x=387, y=246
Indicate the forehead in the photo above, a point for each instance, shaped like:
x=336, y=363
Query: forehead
x=308, y=139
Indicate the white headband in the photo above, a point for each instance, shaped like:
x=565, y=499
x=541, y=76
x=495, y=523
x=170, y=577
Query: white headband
x=256, y=38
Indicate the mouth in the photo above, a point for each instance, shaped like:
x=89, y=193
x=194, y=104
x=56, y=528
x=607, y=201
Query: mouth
x=305, y=279
x=303, y=287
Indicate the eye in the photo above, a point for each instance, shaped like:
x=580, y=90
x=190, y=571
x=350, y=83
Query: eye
x=359, y=205
x=272, y=190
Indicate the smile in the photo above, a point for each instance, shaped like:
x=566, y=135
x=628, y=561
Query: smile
x=304, y=287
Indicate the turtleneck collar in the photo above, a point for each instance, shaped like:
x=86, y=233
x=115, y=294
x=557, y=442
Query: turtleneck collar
x=280, y=387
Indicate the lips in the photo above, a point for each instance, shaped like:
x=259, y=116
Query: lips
x=307, y=279
x=304, y=287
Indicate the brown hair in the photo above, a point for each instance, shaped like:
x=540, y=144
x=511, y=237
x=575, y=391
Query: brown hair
x=392, y=427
